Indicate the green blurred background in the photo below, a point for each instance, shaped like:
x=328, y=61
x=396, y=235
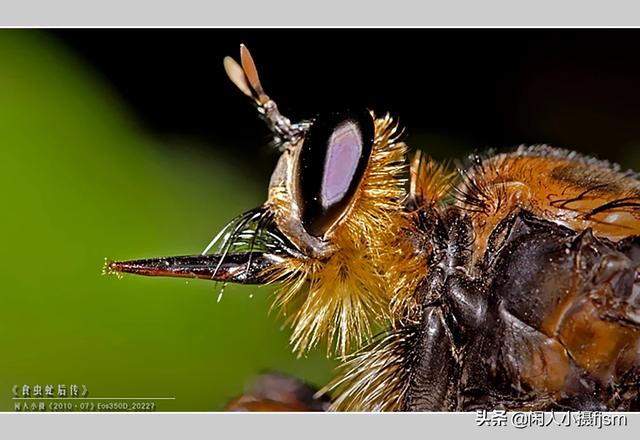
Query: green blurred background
x=82, y=182
x=126, y=143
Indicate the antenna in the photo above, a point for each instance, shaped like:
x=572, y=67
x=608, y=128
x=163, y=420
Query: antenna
x=245, y=77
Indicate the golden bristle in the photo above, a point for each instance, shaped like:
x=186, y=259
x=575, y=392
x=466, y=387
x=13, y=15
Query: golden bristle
x=376, y=378
x=430, y=184
x=431, y=181
x=339, y=296
x=404, y=273
x=337, y=300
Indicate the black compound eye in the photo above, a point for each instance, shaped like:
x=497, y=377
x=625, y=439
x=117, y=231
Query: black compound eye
x=333, y=159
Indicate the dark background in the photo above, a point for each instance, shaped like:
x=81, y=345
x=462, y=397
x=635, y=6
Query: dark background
x=456, y=90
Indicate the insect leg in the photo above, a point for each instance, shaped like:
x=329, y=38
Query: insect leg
x=435, y=367
x=466, y=303
x=277, y=392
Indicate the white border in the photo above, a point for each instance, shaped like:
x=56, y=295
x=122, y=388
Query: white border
x=49, y=13
x=283, y=426
x=260, y=426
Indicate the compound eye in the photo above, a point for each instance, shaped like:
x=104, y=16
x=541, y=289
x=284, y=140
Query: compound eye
x=332, y=162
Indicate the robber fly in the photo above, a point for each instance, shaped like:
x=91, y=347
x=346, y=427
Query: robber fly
x=512, y=284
